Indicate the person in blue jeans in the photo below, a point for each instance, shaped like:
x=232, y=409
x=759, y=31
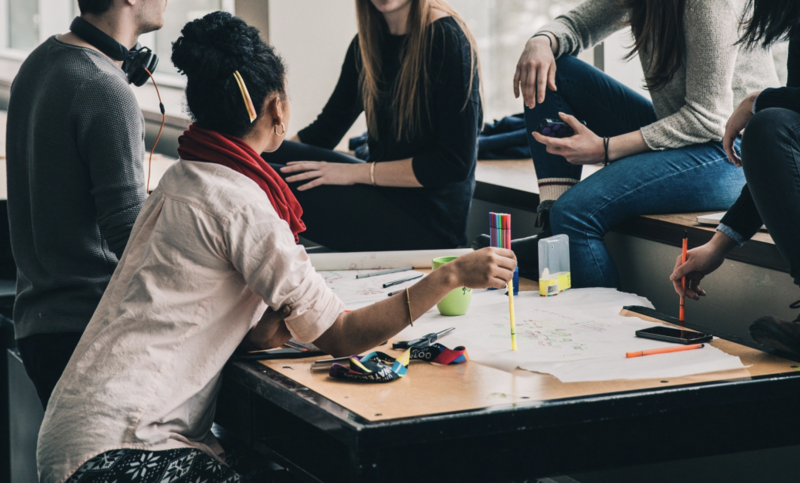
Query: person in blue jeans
x=663, y=156
x=770, y=159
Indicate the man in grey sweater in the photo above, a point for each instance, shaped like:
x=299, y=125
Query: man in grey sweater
x=75, y=147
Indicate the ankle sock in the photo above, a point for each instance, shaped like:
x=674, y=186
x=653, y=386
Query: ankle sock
x=552, y=188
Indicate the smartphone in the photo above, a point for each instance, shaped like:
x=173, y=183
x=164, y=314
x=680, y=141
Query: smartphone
x=678, y=336
x=556, y=129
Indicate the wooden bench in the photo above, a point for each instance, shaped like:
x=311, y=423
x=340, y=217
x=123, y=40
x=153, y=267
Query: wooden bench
x=512, y=183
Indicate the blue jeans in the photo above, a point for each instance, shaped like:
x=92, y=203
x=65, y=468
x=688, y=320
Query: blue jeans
x=771, y=160
x=693, y=178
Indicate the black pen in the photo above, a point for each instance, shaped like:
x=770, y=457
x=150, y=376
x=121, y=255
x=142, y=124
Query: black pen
x=402, y=280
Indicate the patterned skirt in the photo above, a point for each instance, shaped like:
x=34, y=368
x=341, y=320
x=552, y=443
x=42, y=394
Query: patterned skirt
x=183, y=465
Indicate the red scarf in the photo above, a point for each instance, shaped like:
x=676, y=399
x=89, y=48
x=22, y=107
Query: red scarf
x=198, y=144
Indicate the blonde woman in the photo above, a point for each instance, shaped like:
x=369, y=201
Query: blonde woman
x=413, y=69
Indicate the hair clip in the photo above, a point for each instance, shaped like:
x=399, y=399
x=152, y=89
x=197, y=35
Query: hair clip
x=251, y=110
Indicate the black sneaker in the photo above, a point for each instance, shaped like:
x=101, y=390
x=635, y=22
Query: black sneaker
x=777, y=333
x=526, y=249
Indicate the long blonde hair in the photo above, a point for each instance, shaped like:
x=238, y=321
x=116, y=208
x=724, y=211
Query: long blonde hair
x=407, y=102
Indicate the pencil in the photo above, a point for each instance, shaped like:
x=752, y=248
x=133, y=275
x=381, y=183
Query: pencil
x=402, y=280
x=682, y=315
x=511, y=314
x=665, y=350
x=384, y=272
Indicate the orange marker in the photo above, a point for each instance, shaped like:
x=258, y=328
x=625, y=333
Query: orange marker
x=665, y=350
x=682, y=315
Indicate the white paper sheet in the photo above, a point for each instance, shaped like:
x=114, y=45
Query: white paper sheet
x=380, y=260
x=577, y=335
x=676, y=364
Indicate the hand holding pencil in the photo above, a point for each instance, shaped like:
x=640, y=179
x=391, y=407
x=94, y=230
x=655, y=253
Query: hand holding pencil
x=700, y=262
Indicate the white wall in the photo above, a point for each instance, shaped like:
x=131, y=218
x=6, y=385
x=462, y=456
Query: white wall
x=312, y=36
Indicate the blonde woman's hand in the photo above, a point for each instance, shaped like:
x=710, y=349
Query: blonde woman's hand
x=536, y=71
x=584, y=147
x=736, y=124
x=320, y=173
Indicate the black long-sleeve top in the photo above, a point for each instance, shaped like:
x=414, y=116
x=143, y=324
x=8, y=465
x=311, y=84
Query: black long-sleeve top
x=444, y=153
x=743, y=217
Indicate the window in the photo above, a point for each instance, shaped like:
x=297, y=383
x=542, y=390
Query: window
x=179, y=12
x=24, y=24
x=23, y=28
x=501, y=28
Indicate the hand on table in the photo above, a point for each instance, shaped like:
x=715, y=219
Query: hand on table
x=585, y=147
x=322, y=173
x=735, y=126
x=536, y=71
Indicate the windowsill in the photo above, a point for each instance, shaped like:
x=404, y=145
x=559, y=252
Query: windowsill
x=13, y=55
x=513, y=183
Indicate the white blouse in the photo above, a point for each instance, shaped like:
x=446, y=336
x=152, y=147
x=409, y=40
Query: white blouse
x=206, y=257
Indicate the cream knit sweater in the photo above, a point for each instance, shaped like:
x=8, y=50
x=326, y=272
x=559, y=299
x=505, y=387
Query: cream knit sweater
x=716, y=74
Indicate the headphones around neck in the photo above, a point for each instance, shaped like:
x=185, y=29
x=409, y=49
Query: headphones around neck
x=135, y=62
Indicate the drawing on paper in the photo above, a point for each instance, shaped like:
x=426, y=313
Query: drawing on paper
x=544, y=333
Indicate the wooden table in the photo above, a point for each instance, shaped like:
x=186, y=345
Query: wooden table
x=471, y=422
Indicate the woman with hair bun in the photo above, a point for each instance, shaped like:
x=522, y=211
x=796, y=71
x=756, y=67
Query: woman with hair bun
x=212, y=265
x=413, y=70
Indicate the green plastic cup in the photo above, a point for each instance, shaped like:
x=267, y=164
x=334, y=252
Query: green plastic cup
x=456, y=302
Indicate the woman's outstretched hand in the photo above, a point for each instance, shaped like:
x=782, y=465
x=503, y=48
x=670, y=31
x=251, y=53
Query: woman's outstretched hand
x=736, y=124
x=484, y=268
x=536, y=71
x=319, y=173
x=585, y=147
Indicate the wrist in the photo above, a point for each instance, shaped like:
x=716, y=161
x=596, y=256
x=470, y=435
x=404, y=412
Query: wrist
x=543, y=40
x=450, y=276
x=751, y=101
x=549, y=38
x=601, y=150
x=722, y=243
x=362, y=171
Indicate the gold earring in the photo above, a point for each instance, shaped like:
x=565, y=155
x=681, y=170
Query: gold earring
x=283, y=129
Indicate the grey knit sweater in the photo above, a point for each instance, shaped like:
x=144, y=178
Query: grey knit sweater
x=695, y=106
x=75, y=146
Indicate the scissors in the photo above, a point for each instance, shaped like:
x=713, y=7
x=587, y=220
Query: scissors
x=423, y=341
